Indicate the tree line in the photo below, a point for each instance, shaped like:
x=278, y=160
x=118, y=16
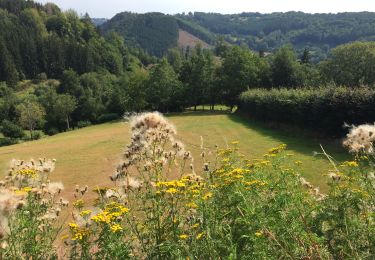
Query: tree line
x=75, y=77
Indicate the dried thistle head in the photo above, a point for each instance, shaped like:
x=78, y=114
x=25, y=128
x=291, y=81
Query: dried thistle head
x=360, y=139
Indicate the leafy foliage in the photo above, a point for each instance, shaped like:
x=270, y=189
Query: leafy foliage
x=324, y=109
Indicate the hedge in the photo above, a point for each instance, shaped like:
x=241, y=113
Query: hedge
x=325, y=109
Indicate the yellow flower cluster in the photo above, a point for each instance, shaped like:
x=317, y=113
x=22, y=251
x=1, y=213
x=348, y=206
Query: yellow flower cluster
x=27, y=172
x=23, y=191
x=78, y=203
x=255, y=182
x=277, y=149
x=350, y=164
x=84, y=213
x=227, y=176
x=78, y=233
x=187, y=185
x=111, y=212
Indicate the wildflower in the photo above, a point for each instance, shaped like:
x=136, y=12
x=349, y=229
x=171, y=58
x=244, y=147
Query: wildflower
x=192, y=205
x=334, y=176
x=171, y=191
x=199, y=236
x=115, y=228
x=297, y=162
x=360, y=139
x=258, y=234
x=350, y=164
x=73, y=225
x=207, y=196
x=78, y=203
x=64, y=237
x=132, y=183
x=183, y=236
x=54, y=187
x=85, y=213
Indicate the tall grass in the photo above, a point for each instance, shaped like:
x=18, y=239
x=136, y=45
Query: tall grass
x=220, y=206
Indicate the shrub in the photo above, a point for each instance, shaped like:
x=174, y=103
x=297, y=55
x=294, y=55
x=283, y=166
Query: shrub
x=52, y=131
x=11, y=130
x=82, y=124
x=324, y=110
x=7, y=141
x=108, y=117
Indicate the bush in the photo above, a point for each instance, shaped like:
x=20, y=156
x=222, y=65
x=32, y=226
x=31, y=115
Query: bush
x=52, y=131
x=81, y=124
x=7, y=141
x=324, y=109
x=108, y=117
x=11, y=130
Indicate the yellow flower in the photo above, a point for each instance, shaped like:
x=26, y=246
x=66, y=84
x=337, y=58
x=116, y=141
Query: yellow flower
x=195, y=225
x=192, y=205
x=350, y=164
x=85, y=213
x=199, y=236
x=258, y=234
x=183, y=236
x=297, y=162
x=73, y=225
x=207, y=196
x=235, y=142
x=171, y=191
x=78, y=203
x=115, y=228
x=64, y=237
x=27, y=172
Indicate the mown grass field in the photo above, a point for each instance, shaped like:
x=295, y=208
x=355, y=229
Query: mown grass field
x=90, y=155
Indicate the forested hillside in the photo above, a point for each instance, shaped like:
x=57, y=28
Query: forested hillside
x=267, y=32
x=260, y=32
x=153, y=32
x=41, y=41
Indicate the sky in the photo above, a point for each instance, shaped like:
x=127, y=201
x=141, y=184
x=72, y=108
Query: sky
x=108, y=8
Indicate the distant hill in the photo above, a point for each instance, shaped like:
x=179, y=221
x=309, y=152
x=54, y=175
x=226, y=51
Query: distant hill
x=267, y=32
x=153, y=32
x=98, y=21
x=156, y=32
x=186, y=39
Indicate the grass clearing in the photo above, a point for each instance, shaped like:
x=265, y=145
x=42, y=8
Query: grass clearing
x=89, y=155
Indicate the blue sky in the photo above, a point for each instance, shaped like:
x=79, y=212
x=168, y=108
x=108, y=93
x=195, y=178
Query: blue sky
x=108, y=8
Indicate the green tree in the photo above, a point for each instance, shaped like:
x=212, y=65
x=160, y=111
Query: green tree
x=174, y=58
x=351, y=64
x=164, y=90
x=197, y=74
x=240, y=70
x=11, y=130
x=31, y=115
x=284, y=67
x=64, y=107
x=306, y=56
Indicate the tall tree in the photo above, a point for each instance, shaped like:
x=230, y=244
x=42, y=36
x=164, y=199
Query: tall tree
x=240, y=70
x=284, y=67
x=164, y=90
x=31, y=115
x=64, y=107
x=351, y=64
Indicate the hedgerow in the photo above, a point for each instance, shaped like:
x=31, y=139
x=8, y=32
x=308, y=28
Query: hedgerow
x=324, y=110
x=162, y=204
